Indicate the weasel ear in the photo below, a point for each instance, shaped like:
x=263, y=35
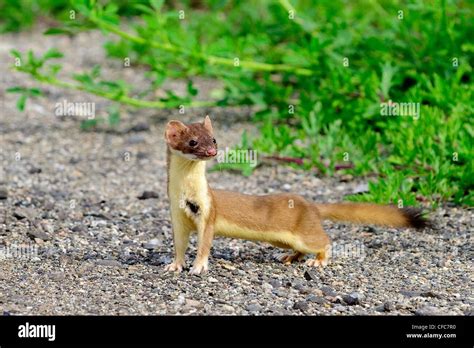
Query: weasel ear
x=207, y=124
x=173, y=131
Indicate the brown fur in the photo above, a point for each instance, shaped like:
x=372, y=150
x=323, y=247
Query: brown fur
x=284, y=220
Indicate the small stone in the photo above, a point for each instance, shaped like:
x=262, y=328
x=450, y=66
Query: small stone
x=135, y=139
x=108, y=263
x=37, y=234
x=181, y=300
x=35, y=170
x=252, y=308
x=228, y=308
x=3, y=194
x=97, y=215
x=139, y=127
x=353, y=298
x=310, y=275
x=267, y=287
x=408, y=293
x=148, y=195
x=56, y=276
x=275, y=283
x=47, y=227
x=281, y=293
x=212, y=280
x=430, y=294
x=25, y=213
x=388, y=306
x=346, y=178
x=301, y=305
x=316, y=299
x=79, y=228
x=152, y=244
x=427, y=311
x=229, y=267
x=361, y=188
x=327, y=291
x=194, y=303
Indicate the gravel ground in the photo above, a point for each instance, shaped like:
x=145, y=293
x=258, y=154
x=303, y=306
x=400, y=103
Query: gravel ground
x=96, y=248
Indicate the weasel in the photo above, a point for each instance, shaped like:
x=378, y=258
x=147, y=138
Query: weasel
x=283, y=220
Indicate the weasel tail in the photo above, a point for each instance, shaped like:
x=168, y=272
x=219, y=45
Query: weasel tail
x=365, y=213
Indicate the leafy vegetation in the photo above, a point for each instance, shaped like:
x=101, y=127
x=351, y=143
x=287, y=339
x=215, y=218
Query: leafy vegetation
x=319, y=75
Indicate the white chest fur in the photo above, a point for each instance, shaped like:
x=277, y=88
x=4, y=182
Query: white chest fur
x=188, y=189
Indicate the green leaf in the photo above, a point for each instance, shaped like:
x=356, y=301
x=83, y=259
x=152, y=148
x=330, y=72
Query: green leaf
x=16, y=89
x=16, y=53
x=52, y=53
x=35, y=92
x=89, y=124
x=191, y=90
x=157, y=4
x=58, y=31
x=20, y=104
x=114, y=117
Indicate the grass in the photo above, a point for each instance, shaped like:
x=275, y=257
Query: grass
x=318, y=74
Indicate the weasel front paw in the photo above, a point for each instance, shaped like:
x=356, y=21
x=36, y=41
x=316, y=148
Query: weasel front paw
x=174, y=267
x=317, y=262
x=199, y=268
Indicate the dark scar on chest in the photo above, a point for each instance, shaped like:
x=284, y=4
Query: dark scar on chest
x=194, y=207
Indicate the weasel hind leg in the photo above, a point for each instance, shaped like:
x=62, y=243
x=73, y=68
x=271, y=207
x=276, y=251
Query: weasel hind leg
x=288, y=258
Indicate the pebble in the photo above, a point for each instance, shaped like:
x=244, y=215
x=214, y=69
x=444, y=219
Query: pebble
x=35, y=170
x=25, y=213
x=79, y=228
x=428, y=311
x=352, y=299
x=3, y=194
x=139, y=127
x=316, y=299
x=194, y=303
x=311, y=275
x=275, y=283
x=135, y=139
x=228, y=308
x=253, y=308
x=108, y=263
x=148, y=195
x=301, y=305
x=388, y=306
x=34, y=233
x=327, y=291
x=152, y=244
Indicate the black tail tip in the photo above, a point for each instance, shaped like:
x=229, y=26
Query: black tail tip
x=415, y=218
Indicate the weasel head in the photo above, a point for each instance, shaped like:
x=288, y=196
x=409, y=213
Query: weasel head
x=194, y=141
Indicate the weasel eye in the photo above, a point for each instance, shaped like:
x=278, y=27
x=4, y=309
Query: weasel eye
x=193, y=143
x=214, y=141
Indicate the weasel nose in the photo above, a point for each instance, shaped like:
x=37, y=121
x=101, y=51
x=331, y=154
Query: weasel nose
x=211, y=151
